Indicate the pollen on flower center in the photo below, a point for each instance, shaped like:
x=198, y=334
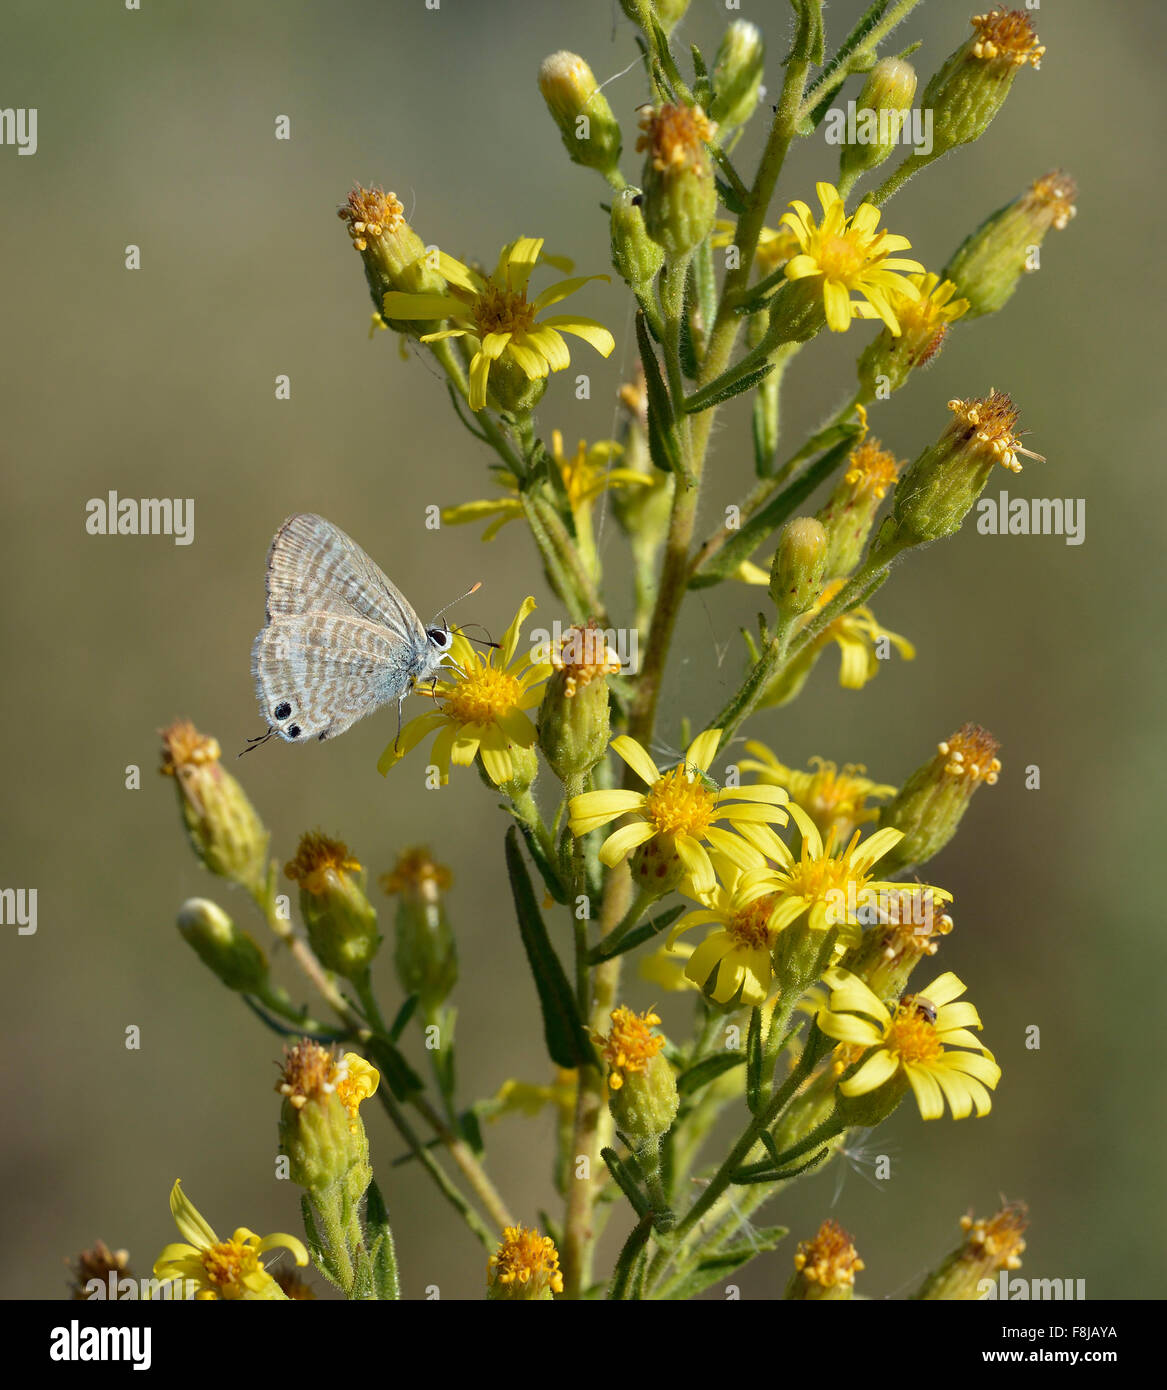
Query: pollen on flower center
x=750, y=925
x=830, y=1258
x=678, y=806
x=840, y=256
x=971, y=753
x=871, y=468
x=992, y=421
x=1008, y=35
x=631, y=1044
x=912, y=1036
x=524, y=1255
x=370, y=212
x=498, y=310
x=229, y=1262
x=485, y=696
x=676, y=137
x=317, y=858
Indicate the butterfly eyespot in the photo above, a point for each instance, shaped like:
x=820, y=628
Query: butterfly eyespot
x=294, y=731
x=441, y=637
x=282, y=710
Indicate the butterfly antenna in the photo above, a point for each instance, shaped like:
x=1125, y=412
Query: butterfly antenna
x=486, y=641
x=254, y=743
x=474, y=588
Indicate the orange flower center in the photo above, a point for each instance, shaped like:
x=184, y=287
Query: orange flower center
x=828, y=1259
x=631, y=1044
x=750, y=926
x=525, y=1255
x=484, y=696
x=497, y=310
x=229, y=1262
x=971, y=753
x=678, y=806
x=912, y=1037
x=840, y=256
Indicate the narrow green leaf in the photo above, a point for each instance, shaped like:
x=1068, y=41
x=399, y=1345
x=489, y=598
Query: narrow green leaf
x=729, y=196
x=662, y=443
x=712, y=394
x=714, y=1268
x=404, y=1014
x=471, y=1129
x=548, y=872
x=637, y=936
x=628, y=1276
x=379, y=1236
x=707, y=1070
x=567, y=1042
x=626, y=1182
x=751, y=1174
x=754, y=1061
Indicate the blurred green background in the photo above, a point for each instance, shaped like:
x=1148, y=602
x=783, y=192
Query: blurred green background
x=157, y=128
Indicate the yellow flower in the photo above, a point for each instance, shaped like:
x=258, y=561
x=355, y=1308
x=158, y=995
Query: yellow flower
x=834, y=800
x=930, y=313
x=829, y=1260
x=631, y=1045
x=775, y=245
x=920, y=1039
x=528, y=1098
x=586, y=474
x=834, y=887
x=482, y=708
x=525, y=1266
x=848, y=256
x=856, y=634
x=220, y=1268
x=736, y=962
x=678, y=810
x=495, y=313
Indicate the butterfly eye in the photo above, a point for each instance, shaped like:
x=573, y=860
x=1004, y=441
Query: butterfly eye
x=441, y=637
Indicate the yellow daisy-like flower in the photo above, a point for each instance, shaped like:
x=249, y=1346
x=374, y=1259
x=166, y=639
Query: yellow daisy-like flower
x=927, y=317
x=736, y=961
x=220, y=1268
x=849, y=256
x=857, y=635
x=586, y=474
x=495, y=313
x=482, y=710
x=834, y=887
x=919, y=1039
x=528, y=1098
x=834, y=800
x=678, y=810
x=776, y=245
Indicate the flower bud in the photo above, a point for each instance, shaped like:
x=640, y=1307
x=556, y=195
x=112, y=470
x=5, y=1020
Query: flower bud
x=933, y=800
x=99, y=1266
x=888, y=360
x=341, y=922
x=667, y=12
x=321, y=1131
x=642, y=1087
x=991, y=261
x=225, y=831
x=938, y=490
x=799, y=567
x=591, y=133
x=737, y=75
x=634, y=253
x=524, y=1267
x=426, y=956
x=989, y=1248
x=394, y=256
x=886, y=97
x=573, y=717
x=911, y=921
x=849, y=513
x=232, y=954
x=680, y=196
x=825, y=1267
x=512, y=389
x=971, y=87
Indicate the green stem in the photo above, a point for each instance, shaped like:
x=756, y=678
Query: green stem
x=909, y=168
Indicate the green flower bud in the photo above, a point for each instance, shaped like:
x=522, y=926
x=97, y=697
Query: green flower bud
x=511, y=388
x=525, y=1267
x=680, y=196
x=938, y=490
x=225, y=831
x=825, y=1267
x=394, y=256
x=911, y=924
x=849, y=513
x=573, y=718
x=993, y=259
x=799, y=567
x=591, y=133
x=737, y=75
x=971, y=87
x=886, y=96
x=426, y=955
x=232, y=954
x=321, y=1131
x=634, y=253
x=667, y=12
x=933, y=800
x=341, y=921
x=642, y=1087
x=988, y=1250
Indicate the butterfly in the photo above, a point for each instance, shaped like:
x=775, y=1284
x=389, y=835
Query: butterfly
x=340, y=639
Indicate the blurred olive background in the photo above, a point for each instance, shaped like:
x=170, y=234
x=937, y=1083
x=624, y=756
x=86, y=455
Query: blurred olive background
x=156, y=128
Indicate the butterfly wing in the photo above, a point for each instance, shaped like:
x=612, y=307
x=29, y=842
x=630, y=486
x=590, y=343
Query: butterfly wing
x=313, y=567
x=317, y=673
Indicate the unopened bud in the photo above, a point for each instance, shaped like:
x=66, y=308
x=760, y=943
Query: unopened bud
x=232, y=954
x=799, y=567
x=425, y=953
x=973, y=83
x=574, y=723
x=591, y=133
x=883, y=105
x=737, y=75
x=993, y=259
x=932, y=802
x=634, y=253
